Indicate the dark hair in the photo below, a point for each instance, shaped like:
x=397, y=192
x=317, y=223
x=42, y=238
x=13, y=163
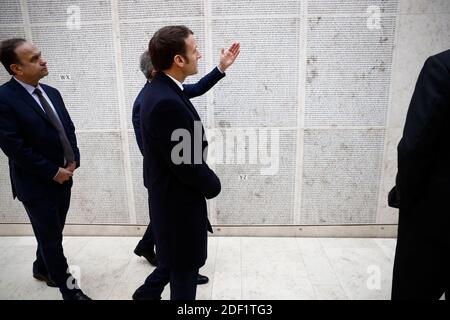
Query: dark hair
x=8, y=55
x=166, y=43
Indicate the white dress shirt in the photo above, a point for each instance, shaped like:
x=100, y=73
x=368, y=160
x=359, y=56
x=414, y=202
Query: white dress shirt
x=30, y=89
x=176, y=81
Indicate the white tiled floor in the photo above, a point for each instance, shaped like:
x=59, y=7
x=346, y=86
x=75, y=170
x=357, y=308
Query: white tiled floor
x=238, y=268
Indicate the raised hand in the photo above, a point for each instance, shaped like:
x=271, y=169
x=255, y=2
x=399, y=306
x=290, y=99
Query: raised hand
x=227, y=57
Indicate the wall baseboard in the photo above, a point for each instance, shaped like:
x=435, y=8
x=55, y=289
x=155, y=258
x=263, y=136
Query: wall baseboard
x=332, y=231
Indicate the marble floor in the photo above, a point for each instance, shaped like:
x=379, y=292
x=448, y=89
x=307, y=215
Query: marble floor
x=238, y=268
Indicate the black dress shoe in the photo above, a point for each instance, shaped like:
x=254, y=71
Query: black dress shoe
x=140, y=294
x=45, y=277
x=77, y=296
x=149, y=255
x=202, y=279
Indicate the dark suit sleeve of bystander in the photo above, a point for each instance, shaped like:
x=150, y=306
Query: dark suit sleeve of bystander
x=423, y=129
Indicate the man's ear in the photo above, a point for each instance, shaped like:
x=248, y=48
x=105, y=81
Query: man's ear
x=179, y=60
x=15, y=68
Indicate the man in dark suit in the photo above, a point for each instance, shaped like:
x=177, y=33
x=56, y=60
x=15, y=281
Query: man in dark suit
x=421, y=266
x=38, y=137
x=145, y=246
x=177, y=189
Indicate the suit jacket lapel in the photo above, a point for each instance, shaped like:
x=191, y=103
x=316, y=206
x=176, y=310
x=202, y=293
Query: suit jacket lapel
x=28, y=99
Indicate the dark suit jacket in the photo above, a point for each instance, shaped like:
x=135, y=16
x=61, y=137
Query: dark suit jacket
x=423, y=178
x=190, y=90
x=178, y=193
x=31, y=142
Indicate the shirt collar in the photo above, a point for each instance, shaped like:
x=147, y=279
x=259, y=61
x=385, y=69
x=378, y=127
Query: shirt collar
x=176, y=81
x=29, y=87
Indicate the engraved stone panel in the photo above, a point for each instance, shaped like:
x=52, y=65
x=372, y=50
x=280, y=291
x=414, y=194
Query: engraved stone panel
x=99, y=194
x=262, y=88
x=254, y=7
x=11, y=12
x=51, y=11
x=11, y=211
x=140, y=192
x=341, y=175
x=86, y=56
x=348, y=71
x=250, y=197
x=144, y=9
x=350, y=6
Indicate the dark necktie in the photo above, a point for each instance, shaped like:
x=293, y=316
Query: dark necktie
x=68, y=151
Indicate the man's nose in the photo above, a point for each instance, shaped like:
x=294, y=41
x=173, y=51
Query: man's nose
x=199, y=55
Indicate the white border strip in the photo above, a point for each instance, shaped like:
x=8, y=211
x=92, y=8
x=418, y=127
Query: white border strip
x=331, y=231
x=303, y=33
x=122, y=111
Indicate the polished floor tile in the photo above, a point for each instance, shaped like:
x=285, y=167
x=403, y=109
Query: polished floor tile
x=238, y=268
x=273, y=268
x=363, y=269
x=227, y=278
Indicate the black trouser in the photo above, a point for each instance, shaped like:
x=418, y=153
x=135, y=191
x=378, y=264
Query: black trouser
x=183, y=283
x=48, y=216
x=147, y=243
x=421, y=266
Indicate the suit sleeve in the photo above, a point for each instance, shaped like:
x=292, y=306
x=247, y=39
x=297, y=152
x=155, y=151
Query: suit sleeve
x=136, y=119
x=167, y=117
x=424, y=124
x=204, y=84
x=16, y=149
x=71, y=133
